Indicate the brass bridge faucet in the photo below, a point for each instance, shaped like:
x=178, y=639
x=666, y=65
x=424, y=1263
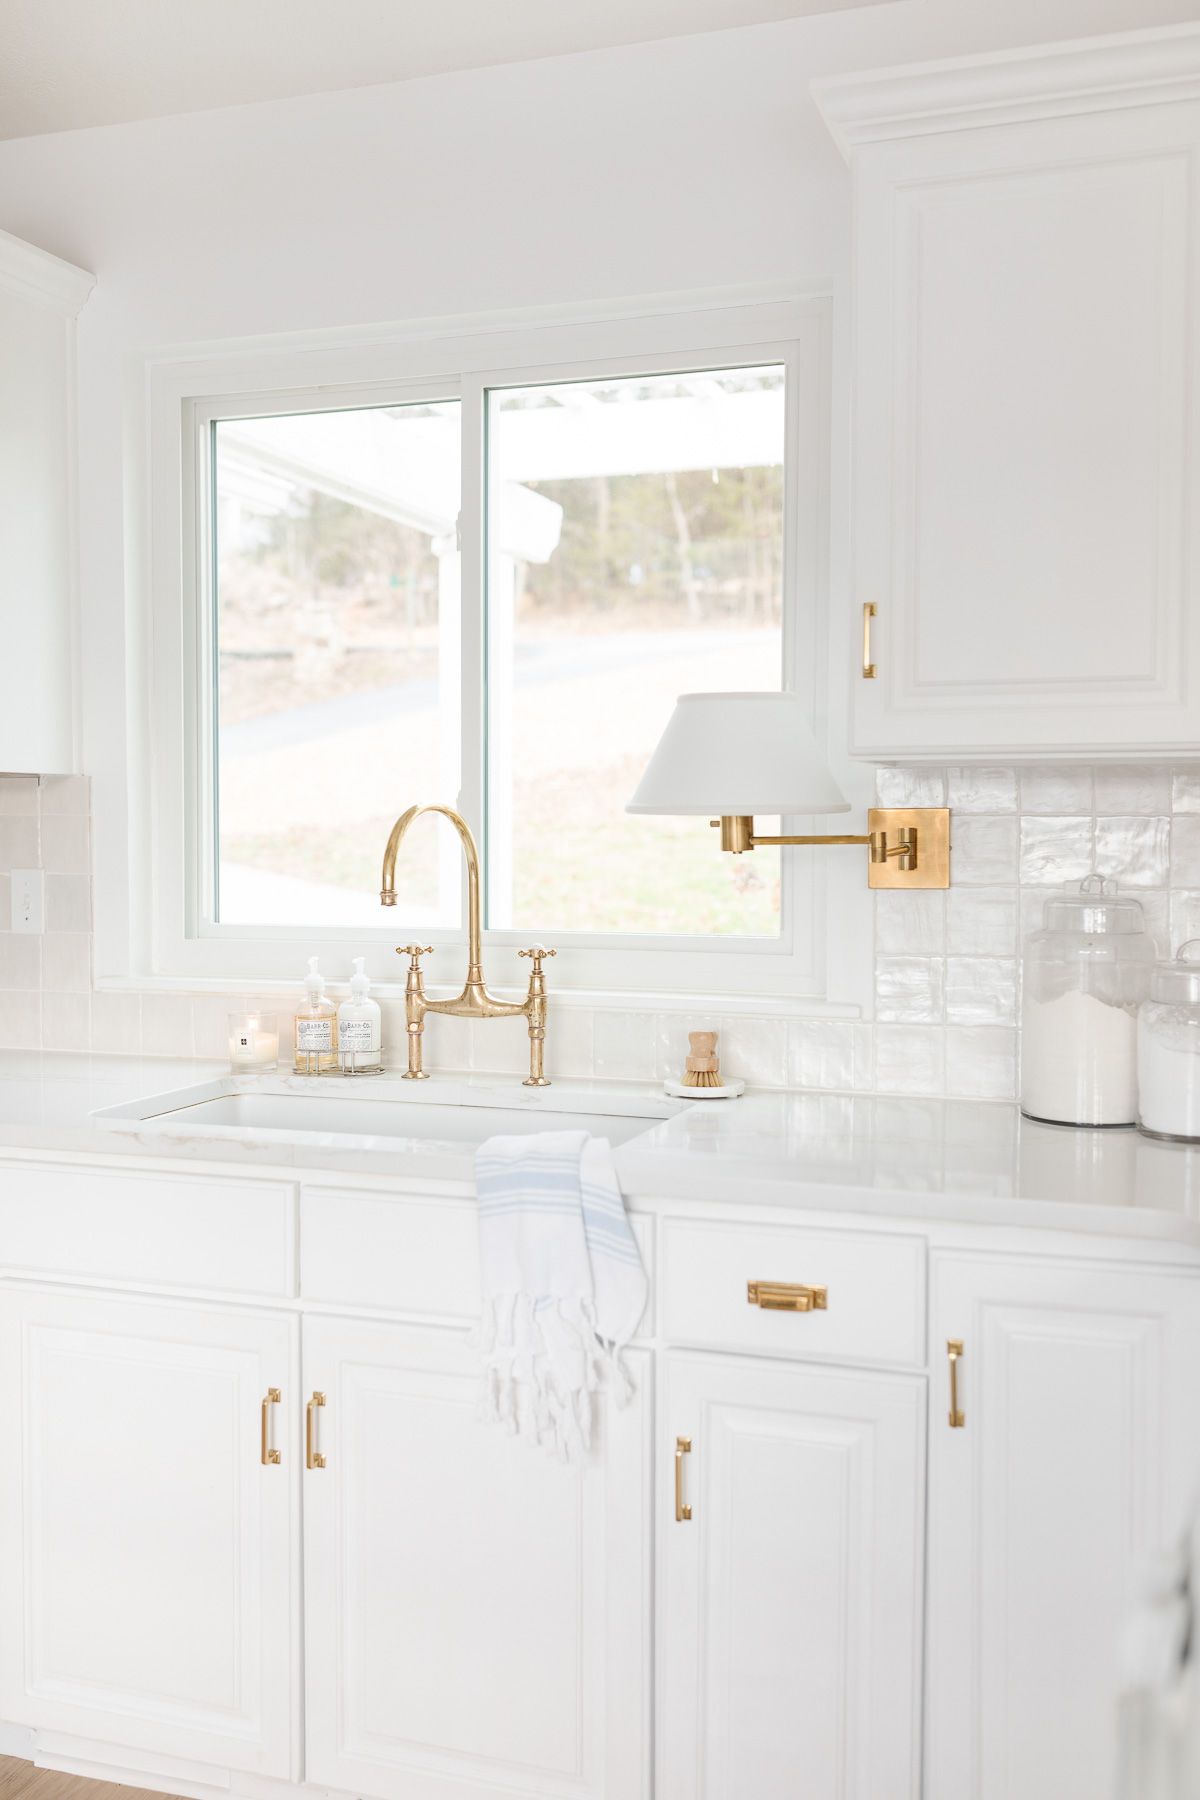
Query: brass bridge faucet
x=474, y=1002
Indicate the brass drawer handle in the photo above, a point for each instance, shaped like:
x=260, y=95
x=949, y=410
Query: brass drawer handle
x=269, y=1455
x=868, y=667
x=784, y=1296
x=683, y=1447
x=954, y=1350
x=313, y=1459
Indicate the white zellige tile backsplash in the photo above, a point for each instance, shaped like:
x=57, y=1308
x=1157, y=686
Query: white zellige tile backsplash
x=946, y=964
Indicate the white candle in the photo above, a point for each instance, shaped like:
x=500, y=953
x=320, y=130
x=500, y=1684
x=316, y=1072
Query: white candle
x=253, y=1041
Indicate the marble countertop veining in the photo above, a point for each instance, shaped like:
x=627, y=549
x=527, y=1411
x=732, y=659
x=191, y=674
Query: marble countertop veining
x=971, y=1162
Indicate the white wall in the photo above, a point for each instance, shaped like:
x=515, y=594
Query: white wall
x=688, y=163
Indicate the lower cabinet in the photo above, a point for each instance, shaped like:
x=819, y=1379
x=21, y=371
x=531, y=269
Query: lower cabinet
x=791, y=1525
x=1074, y=1453
x=477, y=1615
x=477, y=1619
x=146, y=1545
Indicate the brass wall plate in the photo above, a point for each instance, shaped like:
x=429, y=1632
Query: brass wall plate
x=932, y=826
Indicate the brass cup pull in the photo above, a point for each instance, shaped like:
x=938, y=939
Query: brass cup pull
x=868, y=667
x=313, y=1458
x=954, y=1350
x=784, y=1296
x=269, y=1454
x=683, y=1447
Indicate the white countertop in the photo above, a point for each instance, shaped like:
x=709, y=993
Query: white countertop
x=974, y=1162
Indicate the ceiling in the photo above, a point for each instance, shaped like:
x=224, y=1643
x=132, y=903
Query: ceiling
x=70, y=63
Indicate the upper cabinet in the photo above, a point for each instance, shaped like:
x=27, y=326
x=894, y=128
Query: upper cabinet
x=40, y=298
x=1026, y=423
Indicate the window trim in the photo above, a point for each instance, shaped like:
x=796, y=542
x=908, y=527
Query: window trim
x=186, y=392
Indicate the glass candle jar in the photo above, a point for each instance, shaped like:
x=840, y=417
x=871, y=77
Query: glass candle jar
x=1168, y=1049
x=253, y=1042
x=1084, y=976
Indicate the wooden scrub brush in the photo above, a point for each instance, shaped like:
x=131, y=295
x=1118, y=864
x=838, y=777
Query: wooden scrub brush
x=702, y=1078
x=702, y=1069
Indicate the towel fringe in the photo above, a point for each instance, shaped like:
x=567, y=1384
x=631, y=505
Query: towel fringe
x=540, y=1383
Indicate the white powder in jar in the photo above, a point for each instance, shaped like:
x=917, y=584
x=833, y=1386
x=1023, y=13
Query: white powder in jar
x=1079, y=1061
x=1169, y=1075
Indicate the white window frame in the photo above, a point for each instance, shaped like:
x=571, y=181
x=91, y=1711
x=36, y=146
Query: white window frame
x=171, y=939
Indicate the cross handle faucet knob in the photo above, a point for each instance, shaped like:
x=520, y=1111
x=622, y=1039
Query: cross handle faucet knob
x=416, y=951
x=537, y=954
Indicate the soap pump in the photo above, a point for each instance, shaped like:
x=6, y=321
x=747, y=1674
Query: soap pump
x=316, y=1027
x=360, y=1027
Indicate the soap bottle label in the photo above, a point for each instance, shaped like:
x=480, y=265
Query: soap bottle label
x=355, y=1034
x=314, y=1035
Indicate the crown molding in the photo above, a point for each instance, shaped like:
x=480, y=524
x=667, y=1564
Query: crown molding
x=1135, y=68
x=452, y=326
x=34, y=274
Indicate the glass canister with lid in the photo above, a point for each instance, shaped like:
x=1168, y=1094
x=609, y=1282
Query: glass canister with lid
x=1169, y=1049
x=1084, y=975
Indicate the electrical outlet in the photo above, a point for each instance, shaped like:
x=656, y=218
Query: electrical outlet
x=28, y=900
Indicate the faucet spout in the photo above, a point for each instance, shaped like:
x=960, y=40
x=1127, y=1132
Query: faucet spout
x=387, y=894
x=474, y=1002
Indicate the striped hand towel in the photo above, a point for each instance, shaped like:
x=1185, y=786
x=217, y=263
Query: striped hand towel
x=563, y=1284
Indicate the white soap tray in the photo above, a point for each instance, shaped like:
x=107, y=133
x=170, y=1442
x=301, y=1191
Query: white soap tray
x=729, y=1091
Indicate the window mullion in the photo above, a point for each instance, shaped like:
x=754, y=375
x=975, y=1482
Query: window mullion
x=473, y=550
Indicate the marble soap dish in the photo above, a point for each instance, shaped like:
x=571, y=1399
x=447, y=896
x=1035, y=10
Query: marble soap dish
x=729, y=1090
x=702, y=1072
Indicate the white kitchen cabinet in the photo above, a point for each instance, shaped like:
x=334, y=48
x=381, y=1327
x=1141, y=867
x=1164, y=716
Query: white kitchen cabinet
x=1077, y=1455
x=40, y=297
x=789, y=1630
x=465, y=1619
x=477, y=1615
x=145, y=1546
x=1026, y=355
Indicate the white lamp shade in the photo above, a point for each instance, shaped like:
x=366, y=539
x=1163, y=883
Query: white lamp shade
x=737, y=754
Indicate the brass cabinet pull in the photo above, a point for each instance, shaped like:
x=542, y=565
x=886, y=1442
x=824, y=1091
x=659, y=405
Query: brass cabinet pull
x=269, y=1456
x=784, y=1296
x=313, y=1459
x=954, y=1350
x=683, y=1447
x=868, y=667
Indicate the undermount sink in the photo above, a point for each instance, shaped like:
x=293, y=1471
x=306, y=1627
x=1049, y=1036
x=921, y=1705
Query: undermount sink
x=382, y=1112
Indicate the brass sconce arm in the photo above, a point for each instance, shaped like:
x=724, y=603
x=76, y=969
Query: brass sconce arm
x=908, y=846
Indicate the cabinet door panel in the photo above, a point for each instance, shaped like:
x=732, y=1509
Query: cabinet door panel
x=478, y=1613
x=1076, y=1459
x=1026, y=407
x=790, y=1623
x=145, y=1548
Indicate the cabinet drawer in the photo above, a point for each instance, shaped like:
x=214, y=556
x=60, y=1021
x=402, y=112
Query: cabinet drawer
x=219, y=1233
x=874, y=1302
x=400, y=1254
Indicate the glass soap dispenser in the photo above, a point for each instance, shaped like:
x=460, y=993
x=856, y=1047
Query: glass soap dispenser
x=316, y=1027
x=1083, y=977
x=360, y=1027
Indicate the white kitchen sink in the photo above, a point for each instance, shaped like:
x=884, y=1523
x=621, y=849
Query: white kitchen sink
x=383, y=1112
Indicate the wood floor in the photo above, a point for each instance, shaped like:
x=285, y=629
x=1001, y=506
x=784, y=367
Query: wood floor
x=21, y=1781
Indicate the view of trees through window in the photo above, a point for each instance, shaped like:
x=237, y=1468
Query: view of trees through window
x=337, y=615
x=634, y=551
x=665, y=575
